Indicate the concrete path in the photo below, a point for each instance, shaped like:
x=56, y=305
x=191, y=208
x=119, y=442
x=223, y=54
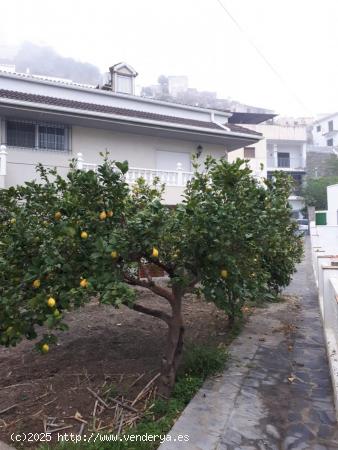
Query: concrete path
x=276, y=393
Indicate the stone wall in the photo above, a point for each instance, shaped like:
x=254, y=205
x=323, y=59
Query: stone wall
x=316, y=163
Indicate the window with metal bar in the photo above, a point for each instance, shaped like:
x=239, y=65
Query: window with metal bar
x=20, y=134
x=38, y=135
x=52, y=137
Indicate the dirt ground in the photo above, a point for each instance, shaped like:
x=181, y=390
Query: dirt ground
x=105, y=350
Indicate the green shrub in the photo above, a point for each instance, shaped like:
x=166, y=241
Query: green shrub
x=202, y=361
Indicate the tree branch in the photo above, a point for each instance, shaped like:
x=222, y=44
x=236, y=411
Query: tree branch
x=158, y=290
x=152, y=312
x=165, y=267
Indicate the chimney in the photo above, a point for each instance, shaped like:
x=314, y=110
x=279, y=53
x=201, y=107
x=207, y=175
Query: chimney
x=121, y=79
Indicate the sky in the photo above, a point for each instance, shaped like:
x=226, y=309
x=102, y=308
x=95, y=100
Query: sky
x=276, y=54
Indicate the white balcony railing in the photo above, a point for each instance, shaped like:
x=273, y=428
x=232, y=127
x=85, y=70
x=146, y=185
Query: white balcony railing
x=176, y=177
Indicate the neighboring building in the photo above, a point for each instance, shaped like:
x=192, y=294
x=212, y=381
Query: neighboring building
x=284, y=148
x=325, y=131
x=257, y=154
x=50, y=122
x=177, y=84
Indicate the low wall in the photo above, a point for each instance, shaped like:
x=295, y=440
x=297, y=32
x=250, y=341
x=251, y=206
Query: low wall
x=324, y=251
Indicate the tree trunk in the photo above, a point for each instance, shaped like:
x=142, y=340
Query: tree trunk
x=173, y=353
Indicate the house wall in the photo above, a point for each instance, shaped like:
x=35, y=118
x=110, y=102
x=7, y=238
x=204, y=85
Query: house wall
x=254, y=163
x=332, y=205
x=321, y=137
x=139, y=150
x=281, y=132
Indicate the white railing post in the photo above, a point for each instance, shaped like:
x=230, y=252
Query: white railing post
x=275, y=155
x=179, y=174
x=79, y=161
x=3, y=165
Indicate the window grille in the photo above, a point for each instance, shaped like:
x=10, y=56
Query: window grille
x=20, y=134
x=38, y=135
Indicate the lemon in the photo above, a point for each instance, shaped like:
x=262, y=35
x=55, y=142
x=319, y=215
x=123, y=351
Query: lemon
x=84, y=235
x=224, y=273
x=57, y=313
x=57, y=215
x=84, y=283
x=36, y=284
x=154, y=253
x=110, y=213
x=103, y=215
x=114, y=254
x=45, y=348
x=13, y=221
x=51, y=302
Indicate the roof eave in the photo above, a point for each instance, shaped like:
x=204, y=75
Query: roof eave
x=117, y=117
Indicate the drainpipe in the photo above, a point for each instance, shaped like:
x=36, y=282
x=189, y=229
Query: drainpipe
x=212, y=117
x=3, y=166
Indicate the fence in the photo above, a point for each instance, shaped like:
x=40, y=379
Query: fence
x=176, y=177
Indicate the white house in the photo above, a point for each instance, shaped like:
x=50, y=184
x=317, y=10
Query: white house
x=51, y=121
x=283, y=148
x=325, y=131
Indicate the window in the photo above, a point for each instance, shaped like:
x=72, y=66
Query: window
x=51, y=137
x=329, y=142
x=124, y=84
x=20, y=134
x=46, y=136
x=249, y=152
x=330, y=125
x=283, y=159
x=318, y=128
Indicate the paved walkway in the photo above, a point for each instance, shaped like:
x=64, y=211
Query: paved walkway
x=276, y=393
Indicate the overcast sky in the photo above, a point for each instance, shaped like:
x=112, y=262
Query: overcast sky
x=197, y=38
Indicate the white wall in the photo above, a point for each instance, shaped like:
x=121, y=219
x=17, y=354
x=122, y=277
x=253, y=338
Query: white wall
x=254, y=163
x=332, y=205
x=139, y=150
x=281, y=132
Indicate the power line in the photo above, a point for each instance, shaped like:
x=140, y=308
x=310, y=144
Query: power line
x=265, y=59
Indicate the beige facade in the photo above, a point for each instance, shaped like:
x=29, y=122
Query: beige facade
x=139, y=150
x=258, y=164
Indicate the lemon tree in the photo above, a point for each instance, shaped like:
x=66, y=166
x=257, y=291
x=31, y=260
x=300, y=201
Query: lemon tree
x=65, y=240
